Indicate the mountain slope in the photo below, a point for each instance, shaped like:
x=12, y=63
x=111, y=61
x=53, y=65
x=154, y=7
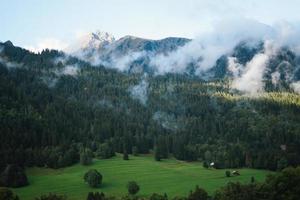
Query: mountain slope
x=52, y=105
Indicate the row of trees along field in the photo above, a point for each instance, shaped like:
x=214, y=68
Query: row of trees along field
x=48, y=116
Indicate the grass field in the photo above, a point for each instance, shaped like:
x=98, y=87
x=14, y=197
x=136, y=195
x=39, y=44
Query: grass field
x=168, y=176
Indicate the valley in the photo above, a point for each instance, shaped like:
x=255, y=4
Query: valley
x=149, y=100
x=170, y=176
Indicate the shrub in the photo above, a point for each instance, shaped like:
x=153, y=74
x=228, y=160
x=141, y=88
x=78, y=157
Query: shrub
x=7, y=194
x=96, y=196
x=156, y=196
x=125, y=156
x=93, y=178
x=227, y=173
x=281, y=164
x=284, y=185
x=179, y=198
x=198, y=194
x=128, y=197
x=135, y=151
x=157, y=154
x=105, y=151
x=132, y=187
x=238, y=191
x=86, y=157
x=13, y=176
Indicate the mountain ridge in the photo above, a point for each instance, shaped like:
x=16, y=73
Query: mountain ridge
x=135, y=55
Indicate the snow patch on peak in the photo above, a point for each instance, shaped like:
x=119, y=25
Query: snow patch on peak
x=96, y=39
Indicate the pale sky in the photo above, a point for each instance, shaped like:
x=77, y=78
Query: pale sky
x=56, y=22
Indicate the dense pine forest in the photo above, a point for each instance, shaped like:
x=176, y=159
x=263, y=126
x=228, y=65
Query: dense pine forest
x=54, y=107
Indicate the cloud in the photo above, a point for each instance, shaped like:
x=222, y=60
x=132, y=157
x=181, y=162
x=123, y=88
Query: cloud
x=70, y=70
x=105, y=103
x=234, y=67
x=47, y=43
x=201, y=53
x=7, y=63
x=50, y=81
x=287, y=34
x=140, y=91
x=204, y=50
x=251, y=79
x=177, y=61
x=123, y=63
x=275, y=77
x=168, y=121
x=296, y=86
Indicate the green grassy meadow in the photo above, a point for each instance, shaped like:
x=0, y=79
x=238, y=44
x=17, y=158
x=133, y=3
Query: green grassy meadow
x=168, y=176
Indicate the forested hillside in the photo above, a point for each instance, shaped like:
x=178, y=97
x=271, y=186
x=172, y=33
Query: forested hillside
x=53, y=105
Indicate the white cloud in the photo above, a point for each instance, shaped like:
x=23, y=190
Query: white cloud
x=251, y=80
x=234, y=67
x=203, y=51
x=140, y=91
x=275, y=77
x=47, y=43
x=123, y=63
x=7, y=63
x=208, y=47
x=296, y=86
x=70, y=70
x=168, y=121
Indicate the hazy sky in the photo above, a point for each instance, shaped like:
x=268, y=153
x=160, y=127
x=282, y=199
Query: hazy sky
x=57, y=22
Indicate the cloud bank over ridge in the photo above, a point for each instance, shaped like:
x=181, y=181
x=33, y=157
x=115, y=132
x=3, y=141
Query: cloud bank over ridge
x=201, y=53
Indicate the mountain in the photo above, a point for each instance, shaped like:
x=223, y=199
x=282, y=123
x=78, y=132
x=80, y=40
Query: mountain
x=105, y=43
x=132, y=44
x=89, y=43
x=94, y=41
x=135, y=55
x=278, y=70
x=52, y=105
x=102, y=48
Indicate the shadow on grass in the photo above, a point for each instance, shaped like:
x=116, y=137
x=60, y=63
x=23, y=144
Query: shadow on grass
x=105, y=185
